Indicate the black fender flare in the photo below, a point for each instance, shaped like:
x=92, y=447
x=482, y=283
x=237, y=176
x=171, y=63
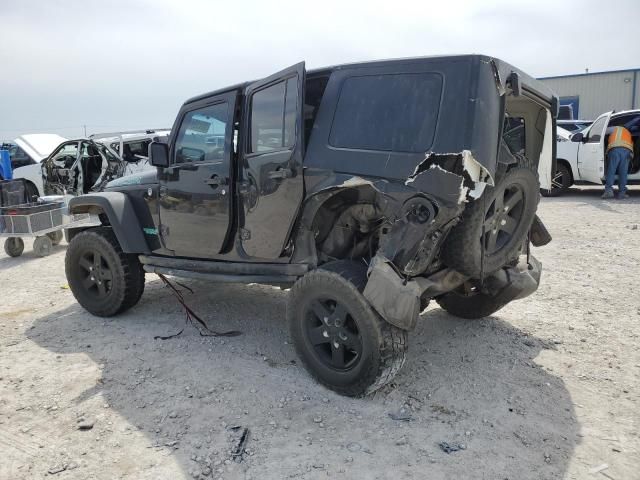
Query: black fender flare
x=122, y=217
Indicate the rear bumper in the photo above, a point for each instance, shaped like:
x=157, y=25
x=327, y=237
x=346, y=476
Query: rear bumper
x=398, y=300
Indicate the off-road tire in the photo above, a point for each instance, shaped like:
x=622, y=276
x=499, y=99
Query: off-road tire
x=564, y=180
x=470, y=307
x=14, y=246
x=127, y=283
x=56, y=237
x=42, y=246
x=463, y=250
x=383, y=345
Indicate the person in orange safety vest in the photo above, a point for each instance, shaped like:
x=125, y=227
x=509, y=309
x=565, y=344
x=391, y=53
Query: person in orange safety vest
x=619, y=155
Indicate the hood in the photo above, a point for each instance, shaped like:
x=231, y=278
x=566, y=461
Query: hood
x=562, y=135
x=39, y=145
x=145, y=177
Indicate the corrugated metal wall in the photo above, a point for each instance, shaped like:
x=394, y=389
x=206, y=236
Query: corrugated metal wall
x=599, y=92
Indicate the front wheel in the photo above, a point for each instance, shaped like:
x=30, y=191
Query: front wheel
x=105, y=280
x=340, y=339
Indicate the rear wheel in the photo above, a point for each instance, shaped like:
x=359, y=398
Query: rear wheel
x=14, y=246
x=469, y=303
x=340, y=339
x=560, y=182
x=104, y=280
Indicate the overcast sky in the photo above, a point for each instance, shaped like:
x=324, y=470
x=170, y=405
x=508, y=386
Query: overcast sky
x=124, y=64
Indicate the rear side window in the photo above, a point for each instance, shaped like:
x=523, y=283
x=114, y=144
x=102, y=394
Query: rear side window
x=273, y=116
x=387, y=112
x=515, y=134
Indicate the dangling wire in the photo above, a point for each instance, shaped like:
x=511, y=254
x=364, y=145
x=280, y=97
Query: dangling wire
x=203, y=329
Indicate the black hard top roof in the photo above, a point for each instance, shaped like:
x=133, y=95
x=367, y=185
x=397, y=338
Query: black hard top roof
x=502, y=67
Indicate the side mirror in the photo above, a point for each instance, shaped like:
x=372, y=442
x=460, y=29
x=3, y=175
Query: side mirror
x=159, y=154
x=577, y=137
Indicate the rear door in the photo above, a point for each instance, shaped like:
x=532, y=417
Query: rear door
x=271, y=180
x=195, y=191
x=591, y=153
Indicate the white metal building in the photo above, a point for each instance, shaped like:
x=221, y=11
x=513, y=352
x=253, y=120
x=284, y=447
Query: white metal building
x=591, y=94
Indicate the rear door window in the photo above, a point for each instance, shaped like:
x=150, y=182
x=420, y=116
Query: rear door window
x=273, y=117
x=396, y=112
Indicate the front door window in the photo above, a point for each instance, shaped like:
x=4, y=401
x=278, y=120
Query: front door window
x=202, y=135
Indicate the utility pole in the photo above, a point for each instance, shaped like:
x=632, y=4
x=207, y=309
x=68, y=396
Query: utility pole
x=85, y=130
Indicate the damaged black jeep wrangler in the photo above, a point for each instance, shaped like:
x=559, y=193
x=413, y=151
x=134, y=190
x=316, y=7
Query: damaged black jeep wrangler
x=368, y=188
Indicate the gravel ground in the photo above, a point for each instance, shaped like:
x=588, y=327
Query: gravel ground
x=545, y=389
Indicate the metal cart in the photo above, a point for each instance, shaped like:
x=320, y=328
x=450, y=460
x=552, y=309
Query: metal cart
x=45, y=219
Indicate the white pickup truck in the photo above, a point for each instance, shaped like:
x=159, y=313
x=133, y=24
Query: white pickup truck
x=581, y=157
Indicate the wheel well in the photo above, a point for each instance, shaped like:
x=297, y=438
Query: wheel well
x=346, y=225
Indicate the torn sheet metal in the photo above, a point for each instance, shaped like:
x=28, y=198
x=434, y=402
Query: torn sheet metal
x=456, y=176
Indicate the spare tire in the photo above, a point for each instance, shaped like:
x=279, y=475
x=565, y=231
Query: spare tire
x=495, y=225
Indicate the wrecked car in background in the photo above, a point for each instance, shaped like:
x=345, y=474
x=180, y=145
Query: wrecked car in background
x=132, y=146
x=368, y=188
x=83, y=165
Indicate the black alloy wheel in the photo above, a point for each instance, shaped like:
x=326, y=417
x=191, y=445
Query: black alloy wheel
x=333, y=334
x=503, y=218
x=98, y=277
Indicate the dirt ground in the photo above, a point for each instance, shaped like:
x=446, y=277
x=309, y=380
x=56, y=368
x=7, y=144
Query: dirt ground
x=548, y=388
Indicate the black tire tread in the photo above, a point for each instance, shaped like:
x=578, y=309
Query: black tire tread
x=393, y=341
x=131, y=266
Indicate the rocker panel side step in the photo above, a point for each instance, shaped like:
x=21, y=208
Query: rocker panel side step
x=222, y=267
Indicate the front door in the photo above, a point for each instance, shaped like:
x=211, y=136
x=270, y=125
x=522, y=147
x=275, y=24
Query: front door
x=195, y=190
x=271, y=178
x=591, y=153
